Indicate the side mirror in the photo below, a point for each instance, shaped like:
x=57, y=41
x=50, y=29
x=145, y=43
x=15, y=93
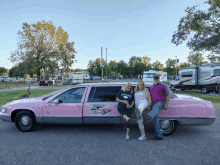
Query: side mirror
x=56, y=101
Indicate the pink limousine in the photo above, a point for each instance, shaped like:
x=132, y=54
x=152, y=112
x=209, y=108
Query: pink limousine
x=95, y=103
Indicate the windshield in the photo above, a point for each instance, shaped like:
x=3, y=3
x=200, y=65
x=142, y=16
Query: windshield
x=149, y=75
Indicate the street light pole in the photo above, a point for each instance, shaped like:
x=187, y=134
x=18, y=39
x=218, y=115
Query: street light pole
x=176, y=66
x=101, y=63
x=106, y=63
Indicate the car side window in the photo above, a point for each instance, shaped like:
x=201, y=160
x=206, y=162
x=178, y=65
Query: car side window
x=71, y=96
x=103, y=94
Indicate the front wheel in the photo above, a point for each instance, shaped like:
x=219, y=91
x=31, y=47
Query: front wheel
x=25, y=121
x=168, y=127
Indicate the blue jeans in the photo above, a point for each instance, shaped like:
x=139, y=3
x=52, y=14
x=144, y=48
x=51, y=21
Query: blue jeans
x=154, y=113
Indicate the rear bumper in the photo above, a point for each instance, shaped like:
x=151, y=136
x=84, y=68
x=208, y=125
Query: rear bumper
x=6, y=118
x=192, y=121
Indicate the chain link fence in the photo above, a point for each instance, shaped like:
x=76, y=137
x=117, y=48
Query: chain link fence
x=8, y=84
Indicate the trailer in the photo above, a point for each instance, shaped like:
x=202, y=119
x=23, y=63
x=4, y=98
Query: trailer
x=77, y=77
x=148, y=76
x=205, y=78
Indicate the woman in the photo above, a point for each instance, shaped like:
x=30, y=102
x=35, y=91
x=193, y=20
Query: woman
x=142, y=101
x=125, y=98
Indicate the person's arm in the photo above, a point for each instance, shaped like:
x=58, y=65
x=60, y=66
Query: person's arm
x=132, y=104
x=122, y=101
x=148, y=97
x=132, y=98
x=167, y=97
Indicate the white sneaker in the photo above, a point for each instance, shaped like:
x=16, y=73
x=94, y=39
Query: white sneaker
x=127, y=137
x=142, y=137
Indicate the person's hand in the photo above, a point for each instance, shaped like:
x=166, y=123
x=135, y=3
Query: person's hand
x=165, y=107
x=125, y=101
x=141, y=111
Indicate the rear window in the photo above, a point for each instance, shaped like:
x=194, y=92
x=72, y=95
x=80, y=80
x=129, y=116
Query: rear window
x=103, y=94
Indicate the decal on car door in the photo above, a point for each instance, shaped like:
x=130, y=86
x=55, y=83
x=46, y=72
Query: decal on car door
x=100, y=109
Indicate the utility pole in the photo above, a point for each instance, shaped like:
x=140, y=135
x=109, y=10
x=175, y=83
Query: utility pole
x=106, y=63
x=176, y=66
x=101, y=63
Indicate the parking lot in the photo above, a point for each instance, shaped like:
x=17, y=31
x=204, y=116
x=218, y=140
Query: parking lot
x=106, y=144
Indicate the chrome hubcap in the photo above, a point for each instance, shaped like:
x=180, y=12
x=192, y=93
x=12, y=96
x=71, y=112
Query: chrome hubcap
x=165, y=124
x=25, y=120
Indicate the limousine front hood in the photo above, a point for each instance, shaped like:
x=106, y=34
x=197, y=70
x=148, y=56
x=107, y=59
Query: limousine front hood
x=187, y=96
x=34, y=100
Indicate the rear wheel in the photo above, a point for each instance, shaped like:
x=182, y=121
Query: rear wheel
x=25, y=121
x=182, y=89
x=168, y=127
x=204, y=90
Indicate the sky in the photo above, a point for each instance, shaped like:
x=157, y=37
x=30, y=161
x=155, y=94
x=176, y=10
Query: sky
x=125, y=27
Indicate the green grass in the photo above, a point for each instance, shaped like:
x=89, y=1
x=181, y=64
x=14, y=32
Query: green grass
x=197, y=93
x=10, y=95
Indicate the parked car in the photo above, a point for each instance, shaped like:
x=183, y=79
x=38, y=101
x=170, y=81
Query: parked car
x=45, y=82
x=34, y=79
x=95, y=103
x=20, y=79
x=3, y=78
x=170, y=77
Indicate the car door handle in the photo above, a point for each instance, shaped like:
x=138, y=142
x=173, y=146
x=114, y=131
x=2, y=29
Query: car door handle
x=78, y=106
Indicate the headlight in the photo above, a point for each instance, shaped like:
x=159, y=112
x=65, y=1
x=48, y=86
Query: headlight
x=4, y=110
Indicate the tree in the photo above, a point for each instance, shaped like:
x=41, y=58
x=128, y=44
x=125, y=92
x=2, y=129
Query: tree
x=170, y=66
x=2, y=70
x=147, y=64
x=122, y=67
x=195, y=59
x=136, y=65
x=78, y=70
x=43, y=45
x=204, y=26
x=14, y=72
x=157, y=66
x=113, y=66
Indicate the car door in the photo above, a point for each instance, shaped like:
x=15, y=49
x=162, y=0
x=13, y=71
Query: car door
x=68, y=110
x=100, y=105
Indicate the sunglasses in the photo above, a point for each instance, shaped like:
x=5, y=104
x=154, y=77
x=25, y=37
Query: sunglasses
x=156, y=78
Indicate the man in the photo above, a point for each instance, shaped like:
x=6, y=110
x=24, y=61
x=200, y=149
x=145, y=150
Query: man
x=160, y=94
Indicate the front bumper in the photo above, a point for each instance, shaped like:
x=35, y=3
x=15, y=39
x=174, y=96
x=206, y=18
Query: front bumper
x=6, y=118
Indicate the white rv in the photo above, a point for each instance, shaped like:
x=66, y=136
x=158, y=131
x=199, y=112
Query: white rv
x=86, y=75
x=205, y=77
x=77, y=77
x=148, y=76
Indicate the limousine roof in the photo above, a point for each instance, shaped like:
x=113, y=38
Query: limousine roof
x=112, y=83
